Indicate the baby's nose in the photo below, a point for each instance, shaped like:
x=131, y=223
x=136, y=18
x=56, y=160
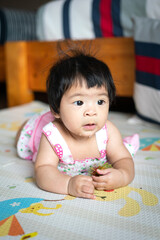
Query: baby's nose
x=90, y=112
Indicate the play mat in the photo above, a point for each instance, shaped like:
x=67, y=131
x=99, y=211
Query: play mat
x=27, y=212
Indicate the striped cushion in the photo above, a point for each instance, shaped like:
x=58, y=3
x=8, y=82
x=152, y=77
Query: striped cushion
x=147, y=86
x=17, y=25
x=87, y=19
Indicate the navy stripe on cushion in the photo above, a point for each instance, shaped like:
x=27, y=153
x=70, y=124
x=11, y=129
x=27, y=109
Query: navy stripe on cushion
x=66, y=24
x=147, y=118
x=116, y=10
x=148, y=79
x=147, y=49
x=96, y=18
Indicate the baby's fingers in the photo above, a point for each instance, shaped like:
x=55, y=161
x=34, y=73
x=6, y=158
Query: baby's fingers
x=88, y=189
x=104, y=171
x=99, y=186
x=101, y=179
x=102, y=182
x=87, y=195
x=87, y=192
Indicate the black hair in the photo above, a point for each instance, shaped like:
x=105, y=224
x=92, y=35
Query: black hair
x=78, y=67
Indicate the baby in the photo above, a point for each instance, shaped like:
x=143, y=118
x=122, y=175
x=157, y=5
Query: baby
x=76, y=135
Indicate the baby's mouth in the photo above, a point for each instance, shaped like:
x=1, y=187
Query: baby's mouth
x=90, y=126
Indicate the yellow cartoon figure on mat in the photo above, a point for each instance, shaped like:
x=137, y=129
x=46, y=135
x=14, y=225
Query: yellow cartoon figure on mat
x=29, y=235
x=10, y=225
x=36, y=207
x=131, y=207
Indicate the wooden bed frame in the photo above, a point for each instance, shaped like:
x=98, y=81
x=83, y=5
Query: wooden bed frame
x=28, y=63
x=2, y=64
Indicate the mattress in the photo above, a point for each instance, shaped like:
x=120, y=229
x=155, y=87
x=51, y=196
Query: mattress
x=132, y=212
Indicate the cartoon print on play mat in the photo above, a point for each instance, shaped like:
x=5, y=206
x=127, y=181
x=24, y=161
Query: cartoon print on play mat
x=36, y=110
x=13, y=126
x=29, y=235
x=9, y=224
x=131, y=207
x=150, y=144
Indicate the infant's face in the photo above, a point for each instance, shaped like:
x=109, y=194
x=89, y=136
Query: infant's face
x=83, y=110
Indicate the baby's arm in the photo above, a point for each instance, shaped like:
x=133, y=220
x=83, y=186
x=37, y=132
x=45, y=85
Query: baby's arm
x=49, y=178
x=122, y=172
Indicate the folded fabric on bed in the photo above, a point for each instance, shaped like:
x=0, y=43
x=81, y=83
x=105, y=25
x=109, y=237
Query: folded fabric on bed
x=87, y=19
x=147, y=86
x=153, y=9
x=17, y=25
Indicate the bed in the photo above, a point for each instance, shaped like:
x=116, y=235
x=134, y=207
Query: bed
x=74, y=20
x=28, y=72
x=132, y=212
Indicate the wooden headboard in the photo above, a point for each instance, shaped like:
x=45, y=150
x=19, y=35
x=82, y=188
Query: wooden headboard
x=28, y=63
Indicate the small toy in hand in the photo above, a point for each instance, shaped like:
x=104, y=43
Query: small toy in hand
x=93, y=170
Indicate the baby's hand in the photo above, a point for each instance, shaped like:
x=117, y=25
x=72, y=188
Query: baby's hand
x=81, y=186
x=108, y=179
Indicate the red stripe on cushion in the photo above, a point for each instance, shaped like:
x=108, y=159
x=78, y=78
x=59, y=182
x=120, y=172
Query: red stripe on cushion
x=106, y=22
x=148, y=64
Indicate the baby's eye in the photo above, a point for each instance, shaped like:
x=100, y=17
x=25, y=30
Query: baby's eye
x=78, y=103
x=101, y=102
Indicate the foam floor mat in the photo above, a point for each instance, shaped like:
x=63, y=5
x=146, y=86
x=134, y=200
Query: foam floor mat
x=27, y=212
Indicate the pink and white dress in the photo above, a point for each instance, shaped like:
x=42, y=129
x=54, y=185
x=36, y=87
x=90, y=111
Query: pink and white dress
x=28, y=144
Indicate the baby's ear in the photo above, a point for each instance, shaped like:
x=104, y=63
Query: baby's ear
x=56, y=115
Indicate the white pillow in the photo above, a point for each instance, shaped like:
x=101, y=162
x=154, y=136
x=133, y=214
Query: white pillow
x=153, y=9
x=87, y=19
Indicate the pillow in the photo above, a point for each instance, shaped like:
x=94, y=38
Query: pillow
x=130, y=8
x=153, y=9
x=147, y=51
x=87, y=19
